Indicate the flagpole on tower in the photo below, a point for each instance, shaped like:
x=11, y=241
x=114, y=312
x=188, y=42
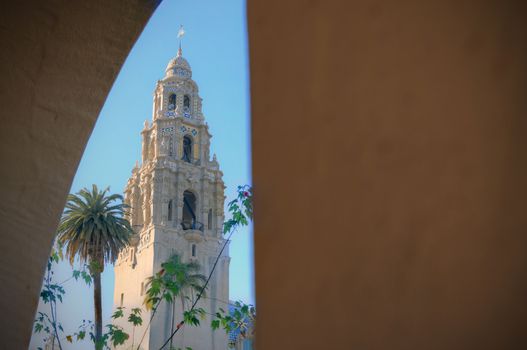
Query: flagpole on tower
x=180, y=34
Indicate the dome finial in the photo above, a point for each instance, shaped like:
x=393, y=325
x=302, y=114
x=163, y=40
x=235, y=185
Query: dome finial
x=178, y=66
x=180, y=34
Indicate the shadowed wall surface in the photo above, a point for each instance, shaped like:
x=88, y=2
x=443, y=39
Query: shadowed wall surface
x=58, y=62
x=389, y=165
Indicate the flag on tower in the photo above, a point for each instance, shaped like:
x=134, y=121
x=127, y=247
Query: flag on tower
x=180, y=32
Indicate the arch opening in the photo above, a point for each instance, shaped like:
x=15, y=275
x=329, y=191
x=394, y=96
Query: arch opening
x=172, y=102
x=187, y=149
x=189, y=220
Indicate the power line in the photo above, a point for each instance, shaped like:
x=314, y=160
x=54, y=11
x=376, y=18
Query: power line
x=202, y=290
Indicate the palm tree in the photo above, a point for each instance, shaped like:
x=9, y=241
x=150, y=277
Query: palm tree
x=175, y=279
x=94, y=229
x=187, y=280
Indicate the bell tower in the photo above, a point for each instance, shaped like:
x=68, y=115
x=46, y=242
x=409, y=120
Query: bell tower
x=176, y=196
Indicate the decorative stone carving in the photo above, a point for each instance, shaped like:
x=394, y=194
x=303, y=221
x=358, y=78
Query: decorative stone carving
x=168, y=130
x=163, y=177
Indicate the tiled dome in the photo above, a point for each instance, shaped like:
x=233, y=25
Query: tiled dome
x=178, y=66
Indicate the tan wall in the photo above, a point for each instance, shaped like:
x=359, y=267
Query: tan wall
x=390, y=204
x=392, y=216
x=58, y=62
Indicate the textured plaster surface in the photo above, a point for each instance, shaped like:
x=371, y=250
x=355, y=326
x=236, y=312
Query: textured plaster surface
x=58, y=60
x=390, y=201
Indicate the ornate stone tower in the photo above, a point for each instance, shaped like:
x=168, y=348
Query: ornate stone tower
x=176, y=198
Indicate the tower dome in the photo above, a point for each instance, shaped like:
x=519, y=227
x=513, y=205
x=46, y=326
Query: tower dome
x=178, y=66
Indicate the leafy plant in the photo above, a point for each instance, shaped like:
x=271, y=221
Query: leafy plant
x=84, y=274
x=136, y=320
x=193, y=316
x=241, y=210
x=51, y=293
x=239, y=321
x=114, y=336
x=175, y=279
x=81, y=333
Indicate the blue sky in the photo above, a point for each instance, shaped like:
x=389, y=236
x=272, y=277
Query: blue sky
x=215, y=44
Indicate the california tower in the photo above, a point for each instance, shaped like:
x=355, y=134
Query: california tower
x=176, y=198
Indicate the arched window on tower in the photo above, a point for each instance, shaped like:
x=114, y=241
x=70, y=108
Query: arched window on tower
x=188, y=221
x=193, y=250
x=172, y=102
x=186, y=106
x=209, y=220
x=170, y=210
x=187, y=149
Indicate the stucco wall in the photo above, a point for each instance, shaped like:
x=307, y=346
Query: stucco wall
x=58, y=62
x=390, y=203
x=391, y=214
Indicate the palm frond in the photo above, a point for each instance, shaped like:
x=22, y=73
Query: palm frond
x=93, y=226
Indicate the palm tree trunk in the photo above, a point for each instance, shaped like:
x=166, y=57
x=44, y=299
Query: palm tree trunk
x=173, y=320
x=98, y=308
x=183, y=313
x=133, y=338
x=173, y=316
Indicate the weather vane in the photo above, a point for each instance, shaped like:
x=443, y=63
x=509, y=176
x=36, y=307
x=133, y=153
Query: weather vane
x=180, y=34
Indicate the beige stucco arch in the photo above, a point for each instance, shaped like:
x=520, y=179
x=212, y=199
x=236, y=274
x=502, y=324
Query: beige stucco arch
x=58, y=62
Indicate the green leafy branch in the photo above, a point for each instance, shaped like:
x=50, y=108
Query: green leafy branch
x=135, y=319
x=114, y=336
x=175, y=279
x=84, y=274
x=241, y=321
x=193, y=316
x=241, y=210
x=81, y=333
x=51, y=293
